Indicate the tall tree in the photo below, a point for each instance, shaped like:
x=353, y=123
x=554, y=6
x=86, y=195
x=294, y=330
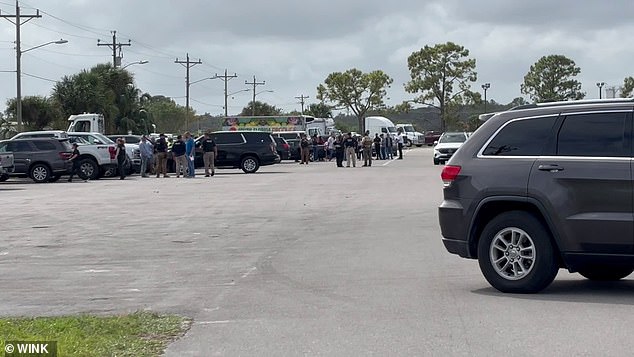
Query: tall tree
x=164, y=112
x=628, y=87
x=551, y=78
x=356, y=91
x=38, y=112
x=443, y=73
x=319, y=110
x=261, y=108
x=7, y=127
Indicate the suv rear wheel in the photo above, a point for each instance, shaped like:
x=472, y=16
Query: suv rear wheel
x=516, y=254
x=4, y=177
x=40, y=173
x=249, y=164
x=605, y=273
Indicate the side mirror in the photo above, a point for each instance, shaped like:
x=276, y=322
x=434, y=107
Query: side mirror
x=435, y=142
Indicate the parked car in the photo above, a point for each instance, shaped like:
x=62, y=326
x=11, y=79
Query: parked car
x=245, y=150
x=129, y=139
x=293, y=139
x=6, y=165
x=431, y=137
x=283, y=148
x=41, y=159
x=543, y=187
x=97, y=156
x=132, y=150
x=447, y=145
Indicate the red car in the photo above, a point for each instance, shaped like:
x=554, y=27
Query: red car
x=431, y=137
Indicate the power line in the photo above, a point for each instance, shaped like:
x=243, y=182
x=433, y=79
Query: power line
x=301, y=101
x=188, y=64
x=226, y=78
x=38, y=77
x=254, y=84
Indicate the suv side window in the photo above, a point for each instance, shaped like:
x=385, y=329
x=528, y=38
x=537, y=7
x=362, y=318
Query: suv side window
x=228, y=138
x=44, y=145
x=526, y=137
x=19, y=146
x=596, y=134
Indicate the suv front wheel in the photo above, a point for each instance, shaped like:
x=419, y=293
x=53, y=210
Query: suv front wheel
x=516, y=254
x=249, y=164
x=40, y=173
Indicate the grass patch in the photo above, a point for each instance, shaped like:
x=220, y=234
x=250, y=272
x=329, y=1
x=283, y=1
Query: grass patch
x=138, y=334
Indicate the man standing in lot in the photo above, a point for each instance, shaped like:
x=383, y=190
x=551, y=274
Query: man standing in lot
x=367, y=149
x=146, y=149
x=304, y=149
x=399, y=143
x=331, y=147
x=389, y=147
x=161, y=156
x=190, y=152
x=210, y=151
x=315, y=143
x=377, y=146
x=338, y=150
x=178, y=152
x=350, y=144
x=74, y=158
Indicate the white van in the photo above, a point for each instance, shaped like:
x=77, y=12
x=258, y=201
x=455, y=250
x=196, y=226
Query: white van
x=379, y=125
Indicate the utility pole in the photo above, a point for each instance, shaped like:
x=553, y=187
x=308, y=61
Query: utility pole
x=226, y=78
x=254, y=84
x=187, y=64
x=18, y=57
x=116, y=60
x=301, y=101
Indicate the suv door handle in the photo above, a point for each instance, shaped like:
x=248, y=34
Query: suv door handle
x=551, y=168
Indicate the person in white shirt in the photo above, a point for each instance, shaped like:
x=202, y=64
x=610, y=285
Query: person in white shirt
x=399, y=143
x=331, y=147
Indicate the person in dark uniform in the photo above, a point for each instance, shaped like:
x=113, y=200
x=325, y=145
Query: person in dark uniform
x=338, y=147
x=210, y=152
x=74, y=158
x=351, y=144
x=305, y=150
x=377, y=146
x=120, y=155
x=178, y=153
x=161, y=156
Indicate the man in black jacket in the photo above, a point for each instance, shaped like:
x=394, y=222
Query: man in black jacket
x=161, y=156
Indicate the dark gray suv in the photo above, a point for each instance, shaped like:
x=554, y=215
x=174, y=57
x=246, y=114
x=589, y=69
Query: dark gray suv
x=543, y=187
x=42, y=159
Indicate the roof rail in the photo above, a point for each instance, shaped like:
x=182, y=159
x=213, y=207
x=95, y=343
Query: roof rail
x=486, y=116
x=574, y=102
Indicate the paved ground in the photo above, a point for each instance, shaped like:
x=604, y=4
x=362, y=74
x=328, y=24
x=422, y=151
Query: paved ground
x=294, y=260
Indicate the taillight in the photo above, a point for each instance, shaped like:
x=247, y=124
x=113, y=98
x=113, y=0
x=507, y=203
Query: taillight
x=286, y=146
x=112, y=151
x=65, y=155
x=449, y=174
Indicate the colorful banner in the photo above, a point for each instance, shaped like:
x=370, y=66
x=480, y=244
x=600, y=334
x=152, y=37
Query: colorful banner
x=272, y=124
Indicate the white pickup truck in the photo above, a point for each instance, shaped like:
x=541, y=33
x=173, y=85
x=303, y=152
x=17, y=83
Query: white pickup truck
x=95, y=160
x=6, y=165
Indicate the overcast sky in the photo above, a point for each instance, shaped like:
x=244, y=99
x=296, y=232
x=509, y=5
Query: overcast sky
x=294, y=45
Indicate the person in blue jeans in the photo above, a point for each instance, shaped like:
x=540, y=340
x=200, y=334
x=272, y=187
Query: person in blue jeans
x=190, y=152
x=315, y=143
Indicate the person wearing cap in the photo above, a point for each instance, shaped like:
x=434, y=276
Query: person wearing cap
x=161, y=156
x=146, y=149
x=74, y=158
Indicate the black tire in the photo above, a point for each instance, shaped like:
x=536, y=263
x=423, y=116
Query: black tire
x=408, y=143
x=249, y=164
x=419, y=145
x=606, y=273
x=40, y=173
x=539, y=258
x=436, y=162
x=4, y=177
x=88, y=169
x=54, y=178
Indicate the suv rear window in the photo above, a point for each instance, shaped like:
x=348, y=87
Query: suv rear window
x=228, y=138
x=44, y=145
x=262, y=137
x=521, y=138
x=290, y=136
x=596, y=134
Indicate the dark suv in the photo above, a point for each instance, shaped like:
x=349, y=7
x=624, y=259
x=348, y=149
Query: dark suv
x=246, y=150
x=43, y=160
x=543, y=187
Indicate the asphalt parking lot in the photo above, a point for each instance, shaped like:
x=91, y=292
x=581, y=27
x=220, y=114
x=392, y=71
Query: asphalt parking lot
x=293, y=260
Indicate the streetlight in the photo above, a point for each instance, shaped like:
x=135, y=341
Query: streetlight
x=256, y=94
x=229, y=95
x=486, y=87
x=18, y=70
x=600, y=85
x=137, y=62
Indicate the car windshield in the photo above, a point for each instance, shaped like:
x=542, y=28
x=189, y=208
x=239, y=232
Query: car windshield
x=391, y=129
x=409, y=128
x=453, y=138
x=104, y=139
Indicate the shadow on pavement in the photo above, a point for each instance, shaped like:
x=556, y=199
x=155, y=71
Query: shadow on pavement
x=582, y=291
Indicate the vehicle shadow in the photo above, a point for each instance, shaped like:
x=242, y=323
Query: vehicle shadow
x=583, y=291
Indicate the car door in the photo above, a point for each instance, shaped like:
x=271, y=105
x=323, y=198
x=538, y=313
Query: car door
x=228, y=145
x=22, y=155
x=586, y=182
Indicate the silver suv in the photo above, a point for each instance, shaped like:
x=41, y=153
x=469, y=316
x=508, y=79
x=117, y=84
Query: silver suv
x=543, y=187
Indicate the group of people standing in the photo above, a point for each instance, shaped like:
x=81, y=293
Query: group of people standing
x=350, y=148
x=154, y=155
